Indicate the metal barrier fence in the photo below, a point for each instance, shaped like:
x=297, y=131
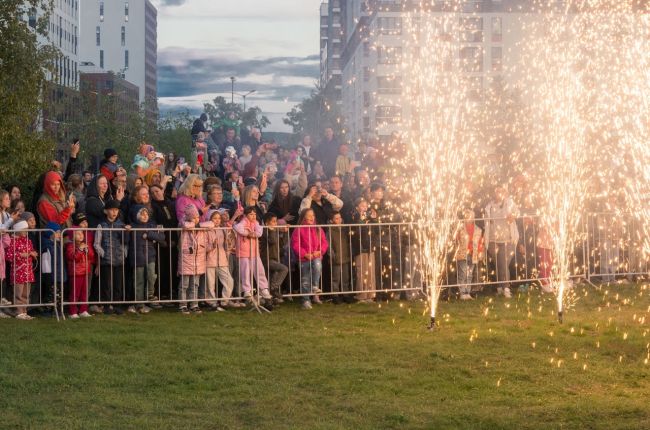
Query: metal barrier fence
x=137, y=269
x=29, y=275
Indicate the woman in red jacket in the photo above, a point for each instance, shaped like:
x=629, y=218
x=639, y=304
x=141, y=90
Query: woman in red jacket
x=52, y=205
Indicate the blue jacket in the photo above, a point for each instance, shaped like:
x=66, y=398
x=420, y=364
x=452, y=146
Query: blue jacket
x=111, y=242
x=143, y=242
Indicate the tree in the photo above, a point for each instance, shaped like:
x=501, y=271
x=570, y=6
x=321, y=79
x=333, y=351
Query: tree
x=24, y=64
x=220, y=110
x=315, y=113
x=174, y=133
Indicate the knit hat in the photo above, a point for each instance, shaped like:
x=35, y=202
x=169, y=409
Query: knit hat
x=20, y=225
x=78, y=218
x=211, y=212
x=112, y=204
x=26, y=216
x=109, y=152
x=191, y=212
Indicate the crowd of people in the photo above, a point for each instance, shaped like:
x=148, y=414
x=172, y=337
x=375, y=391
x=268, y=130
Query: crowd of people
x=243, y=215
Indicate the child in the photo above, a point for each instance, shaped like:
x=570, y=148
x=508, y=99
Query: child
x=364, y=255
x=230, y=161
x=79, y=258
x=191, y=259
x=343, y=161
x=220, y=241
x=274, y=240
x=142, y=254
x=469, y=243
x=310, y=244
x=7, y=219
x=111, y=243
x=340, y=244
x=250, y=264
x=21, y=254
x=246, y=155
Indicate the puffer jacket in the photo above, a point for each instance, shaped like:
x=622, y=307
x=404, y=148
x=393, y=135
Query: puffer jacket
x=193, y=250
x=79, y=262
x=219, y=243
x=248, y=247
x=144, y=243
x=307, y=240
x=111, y=243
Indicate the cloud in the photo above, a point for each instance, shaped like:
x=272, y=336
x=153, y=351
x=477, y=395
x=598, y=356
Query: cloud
x=186, y=72
x=172, y=2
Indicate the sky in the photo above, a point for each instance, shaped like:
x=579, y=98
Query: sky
x=271, y=46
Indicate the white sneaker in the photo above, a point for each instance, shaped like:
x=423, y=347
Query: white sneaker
x=74, y=317
x=4, y=315
x=131, y=310
x=145, y=309
x=465, y=297
x=24, y=317
x=306, y=304
x=265, y=294
x=95, y=309
x=247, y=294
x=85, y=315
x=219, y=309
x=4, y=302
x=506, y=293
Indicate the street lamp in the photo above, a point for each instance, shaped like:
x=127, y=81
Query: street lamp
x=232, y=90
x=246, y=95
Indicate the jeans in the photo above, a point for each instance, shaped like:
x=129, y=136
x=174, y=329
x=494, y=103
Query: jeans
x=151, y=277
x=277, y=273
x=188, y=290
x=310, y=272
x=464, y=270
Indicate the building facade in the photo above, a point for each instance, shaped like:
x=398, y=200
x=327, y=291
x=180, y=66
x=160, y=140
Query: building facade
x=486, y=35
x=331, y=45
x=120, y=36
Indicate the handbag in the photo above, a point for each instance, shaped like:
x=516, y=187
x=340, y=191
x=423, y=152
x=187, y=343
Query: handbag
x=46, y=262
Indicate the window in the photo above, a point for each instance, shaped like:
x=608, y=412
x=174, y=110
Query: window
x=471, y=59
x=389, y=85
x=497, y=59
x=389, y=25
x=101, y=11
x=366, y=49
x=497, y=30
x=32, y=18
x=126, y=59
x=123, y=35
x=366, y=124
x=389, y=55
x=126, y=11
x=471, y=30
x=366, y=74
x=366, y=99
x=101, y=59
x=389, y=114
x=98, y=36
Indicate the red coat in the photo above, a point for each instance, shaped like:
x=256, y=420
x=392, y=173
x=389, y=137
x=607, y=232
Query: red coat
x=21, y=268
x=79, y=262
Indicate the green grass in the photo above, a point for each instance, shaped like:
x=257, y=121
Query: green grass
x=352, y=366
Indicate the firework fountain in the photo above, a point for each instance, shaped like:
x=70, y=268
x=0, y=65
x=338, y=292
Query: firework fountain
x=441, y=136
x=579, y=70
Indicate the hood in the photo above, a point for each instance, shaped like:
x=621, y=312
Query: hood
x=134, y=211
x=50, y=178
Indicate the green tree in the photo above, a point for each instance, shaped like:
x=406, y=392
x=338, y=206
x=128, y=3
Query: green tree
x=315, y=113
x=24, y=64
x=220, y=110
x=174, y=133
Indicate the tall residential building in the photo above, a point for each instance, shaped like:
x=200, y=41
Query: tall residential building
x=120, y=36
x=331, y=45
x=372, y=99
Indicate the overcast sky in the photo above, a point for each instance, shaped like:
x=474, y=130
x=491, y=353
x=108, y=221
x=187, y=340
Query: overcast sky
x=271, y=46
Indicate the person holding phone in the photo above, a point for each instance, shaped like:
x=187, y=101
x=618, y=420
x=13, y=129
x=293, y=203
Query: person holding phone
x=53, y=205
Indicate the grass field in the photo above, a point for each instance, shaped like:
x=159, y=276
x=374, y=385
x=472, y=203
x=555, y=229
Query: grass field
x=491, y=364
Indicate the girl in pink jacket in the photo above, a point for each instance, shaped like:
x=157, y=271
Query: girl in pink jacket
x=191, y=259
x=220, y=241
x=248, y=252
x=310, y=244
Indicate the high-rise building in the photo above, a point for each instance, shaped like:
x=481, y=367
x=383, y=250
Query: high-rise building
x=120, y=36
x=331, y=45
x=371, y=54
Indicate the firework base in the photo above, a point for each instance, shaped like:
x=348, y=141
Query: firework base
x=432, y=324
x=560, y=316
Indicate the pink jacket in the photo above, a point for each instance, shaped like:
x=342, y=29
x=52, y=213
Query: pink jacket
x=219, y=243
x=182, y=201
x=248, y=247
x=192, y=249
x=306, y=240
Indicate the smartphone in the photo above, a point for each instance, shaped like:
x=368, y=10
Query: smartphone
x=181, y=160
x=234, y=185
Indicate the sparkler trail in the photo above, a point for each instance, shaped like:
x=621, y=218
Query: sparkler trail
x=440, y=135
x=580, y=70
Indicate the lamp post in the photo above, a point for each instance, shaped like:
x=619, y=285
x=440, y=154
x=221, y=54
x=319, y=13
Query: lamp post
x=246, y=95
x=232, y=90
